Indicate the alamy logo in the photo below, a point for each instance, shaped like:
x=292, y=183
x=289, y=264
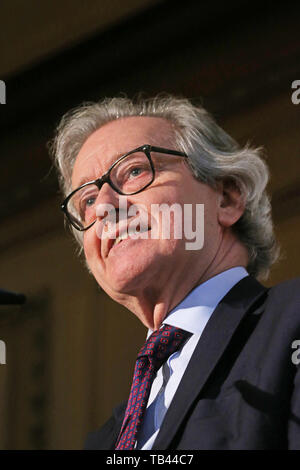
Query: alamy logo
x=160, y=221
x=296, y=354
x=2, y=352
x=2, y=92
x=296, y=94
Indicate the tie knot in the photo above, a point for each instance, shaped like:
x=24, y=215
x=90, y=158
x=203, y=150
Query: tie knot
x=162, y=343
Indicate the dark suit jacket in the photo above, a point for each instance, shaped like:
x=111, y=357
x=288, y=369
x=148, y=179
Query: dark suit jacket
x=241, y=389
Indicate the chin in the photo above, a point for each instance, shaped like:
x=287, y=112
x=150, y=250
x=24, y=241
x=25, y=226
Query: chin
x=127, y=278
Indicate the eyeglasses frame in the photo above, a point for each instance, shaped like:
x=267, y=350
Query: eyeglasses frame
x=99, y=182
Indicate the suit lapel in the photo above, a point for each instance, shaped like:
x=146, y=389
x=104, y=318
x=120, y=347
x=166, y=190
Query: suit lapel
x=210, y=348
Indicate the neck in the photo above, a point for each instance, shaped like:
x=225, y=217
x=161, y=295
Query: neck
x=157, y=299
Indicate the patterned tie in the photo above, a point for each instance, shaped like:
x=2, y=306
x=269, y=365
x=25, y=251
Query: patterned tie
x=159, y=346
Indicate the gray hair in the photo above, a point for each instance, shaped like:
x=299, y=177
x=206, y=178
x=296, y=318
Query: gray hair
x=212, y=155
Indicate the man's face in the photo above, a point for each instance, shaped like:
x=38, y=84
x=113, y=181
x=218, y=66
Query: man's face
x=144, y=266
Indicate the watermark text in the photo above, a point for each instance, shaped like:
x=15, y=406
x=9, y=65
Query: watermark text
x=2, y=352
x=2, y=92
x=296, y=94
x=296, y=354
x=162, y=221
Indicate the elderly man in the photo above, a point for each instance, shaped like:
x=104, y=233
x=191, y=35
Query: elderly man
x=217, y=370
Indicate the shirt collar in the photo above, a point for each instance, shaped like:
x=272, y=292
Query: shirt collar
x=194, y=311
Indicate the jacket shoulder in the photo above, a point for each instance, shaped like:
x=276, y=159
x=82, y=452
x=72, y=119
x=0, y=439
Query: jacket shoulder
x=290, y=289
x=283, y=305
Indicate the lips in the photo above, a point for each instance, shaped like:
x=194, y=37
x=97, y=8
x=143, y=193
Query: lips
x=121, y=233
x=125, y=235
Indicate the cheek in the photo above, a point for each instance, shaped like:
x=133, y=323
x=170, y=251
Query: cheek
x=91, y=246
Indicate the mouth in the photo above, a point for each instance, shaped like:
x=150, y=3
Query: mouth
x=132, y=234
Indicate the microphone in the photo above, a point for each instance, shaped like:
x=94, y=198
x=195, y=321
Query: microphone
x=11, y=298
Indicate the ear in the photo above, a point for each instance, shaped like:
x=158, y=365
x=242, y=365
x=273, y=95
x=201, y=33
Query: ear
x=231, y=204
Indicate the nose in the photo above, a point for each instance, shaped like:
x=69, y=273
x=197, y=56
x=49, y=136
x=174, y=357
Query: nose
x=110, y=204
x=110, y=207
x=107, y=200
x=107, y=195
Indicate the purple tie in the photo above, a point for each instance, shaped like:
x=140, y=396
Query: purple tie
x=157, y=349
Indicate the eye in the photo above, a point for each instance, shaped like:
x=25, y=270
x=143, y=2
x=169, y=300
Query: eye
x=132, y=173
x=135, y=171
x=89, y=202
x=86, y=201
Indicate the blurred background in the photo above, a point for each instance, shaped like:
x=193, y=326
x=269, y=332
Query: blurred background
x=237, y=58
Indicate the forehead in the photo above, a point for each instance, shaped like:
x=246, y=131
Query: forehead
x=114, y=139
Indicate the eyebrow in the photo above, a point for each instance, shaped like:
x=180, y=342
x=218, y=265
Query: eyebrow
x=84, y=180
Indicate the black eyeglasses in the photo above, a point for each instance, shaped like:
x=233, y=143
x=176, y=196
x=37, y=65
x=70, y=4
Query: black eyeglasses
x=130, y=174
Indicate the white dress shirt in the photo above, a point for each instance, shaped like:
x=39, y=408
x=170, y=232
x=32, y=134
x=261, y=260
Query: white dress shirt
x=192, y=314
